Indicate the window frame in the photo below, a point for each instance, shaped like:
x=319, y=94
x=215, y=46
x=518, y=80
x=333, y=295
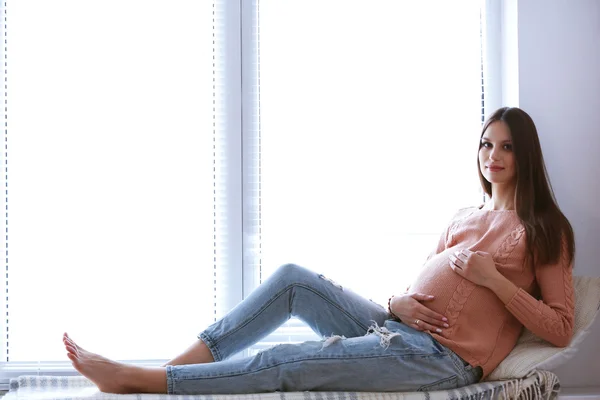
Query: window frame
x=241, y=121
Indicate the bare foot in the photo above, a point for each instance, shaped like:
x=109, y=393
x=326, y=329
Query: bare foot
x=110, y=376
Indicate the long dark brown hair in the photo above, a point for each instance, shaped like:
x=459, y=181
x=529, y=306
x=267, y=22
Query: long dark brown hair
x=548, y=231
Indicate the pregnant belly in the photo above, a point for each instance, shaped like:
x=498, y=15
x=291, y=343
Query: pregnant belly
x=437, y=279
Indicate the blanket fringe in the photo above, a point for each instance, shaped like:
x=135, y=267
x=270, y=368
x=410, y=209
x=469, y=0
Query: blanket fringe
x=546, y=386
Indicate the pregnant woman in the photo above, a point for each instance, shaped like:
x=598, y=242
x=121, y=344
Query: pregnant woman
x=497, y=267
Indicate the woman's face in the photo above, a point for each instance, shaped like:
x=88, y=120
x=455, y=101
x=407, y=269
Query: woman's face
x=496, y=157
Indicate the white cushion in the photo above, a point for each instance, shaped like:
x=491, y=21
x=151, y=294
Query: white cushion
x=532, y=353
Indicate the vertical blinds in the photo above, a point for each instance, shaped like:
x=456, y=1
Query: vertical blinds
x=369, y=120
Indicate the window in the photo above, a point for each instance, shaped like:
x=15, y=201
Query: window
x=370, y=116
x=161, y=162
x=109, y=175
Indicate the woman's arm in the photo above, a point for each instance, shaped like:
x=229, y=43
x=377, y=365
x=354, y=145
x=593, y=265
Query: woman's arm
x=503, y=288
x=409, y=309
x=550, y=318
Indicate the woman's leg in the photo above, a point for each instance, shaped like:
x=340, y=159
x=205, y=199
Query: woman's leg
x=397, y=358
x=115, y=377
x=328, y=308
x=324, y=305
x=196, y=353
x=292, y=291
x=393, y=358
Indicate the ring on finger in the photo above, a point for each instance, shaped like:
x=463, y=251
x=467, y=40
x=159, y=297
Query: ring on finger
x=417, y=321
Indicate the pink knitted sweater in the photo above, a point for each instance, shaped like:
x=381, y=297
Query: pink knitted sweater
x=483, y=330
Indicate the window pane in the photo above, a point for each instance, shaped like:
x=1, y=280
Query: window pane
x=370, y=116
x=110, y=176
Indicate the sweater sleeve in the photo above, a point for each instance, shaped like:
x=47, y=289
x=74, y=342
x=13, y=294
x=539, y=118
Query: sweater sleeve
x=551, y=318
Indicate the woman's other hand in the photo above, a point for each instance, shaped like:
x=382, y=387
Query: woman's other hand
x=409, y=308
x=478, y=267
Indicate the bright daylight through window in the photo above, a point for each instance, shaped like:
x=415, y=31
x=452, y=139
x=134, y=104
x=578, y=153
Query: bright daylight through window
x=319, y=132
x=367, y=112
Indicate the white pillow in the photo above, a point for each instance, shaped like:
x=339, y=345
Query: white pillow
x=533, y=353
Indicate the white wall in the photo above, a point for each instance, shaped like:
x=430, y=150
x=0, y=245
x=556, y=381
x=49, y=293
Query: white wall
x=559, y=86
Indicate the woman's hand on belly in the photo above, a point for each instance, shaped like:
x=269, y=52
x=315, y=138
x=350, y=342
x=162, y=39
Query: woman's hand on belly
x=411, y=310
x=478, y=267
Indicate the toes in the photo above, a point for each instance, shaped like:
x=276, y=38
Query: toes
x=69, y=341
x=72, y=350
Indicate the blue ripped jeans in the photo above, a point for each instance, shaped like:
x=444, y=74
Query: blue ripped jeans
x=376, y=353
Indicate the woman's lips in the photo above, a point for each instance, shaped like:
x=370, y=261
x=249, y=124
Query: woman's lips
x=495, y=169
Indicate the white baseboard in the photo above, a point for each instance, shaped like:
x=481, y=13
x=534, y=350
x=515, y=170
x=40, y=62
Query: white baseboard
x=588, y=393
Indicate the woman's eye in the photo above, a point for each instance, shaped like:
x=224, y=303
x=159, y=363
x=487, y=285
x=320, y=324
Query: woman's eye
x=486, y=145
x=508, y=147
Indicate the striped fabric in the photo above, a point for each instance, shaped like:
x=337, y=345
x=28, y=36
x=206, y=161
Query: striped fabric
x=539, y=385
